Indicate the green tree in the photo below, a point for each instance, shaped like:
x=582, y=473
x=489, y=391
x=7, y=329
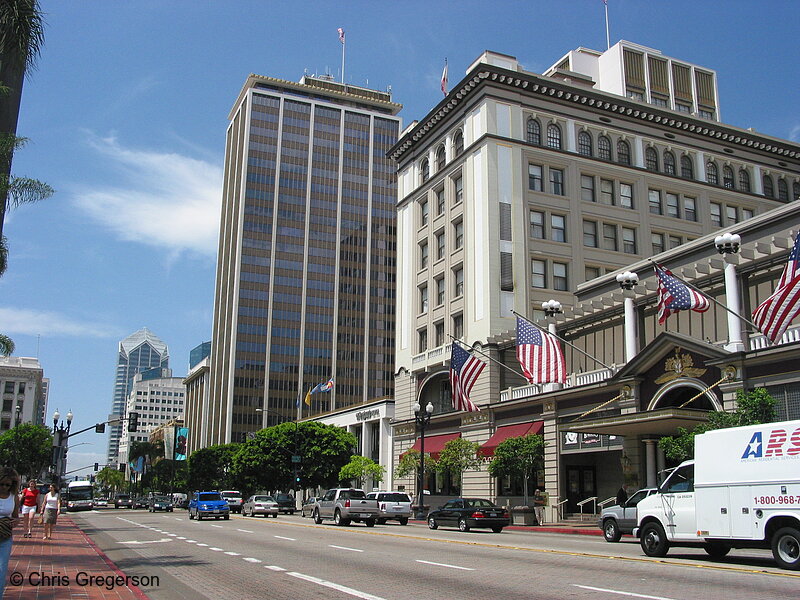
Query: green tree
x=457, y=456
x=110, y=479
x=211, y=468
x=409, y=465
x=6, y=345
x=265, y=462
x=518, y=457
x=752, y=408
x=28, y=448
x=360, y=468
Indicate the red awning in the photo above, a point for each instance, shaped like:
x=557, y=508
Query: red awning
x=434, y=444
x=508, y=431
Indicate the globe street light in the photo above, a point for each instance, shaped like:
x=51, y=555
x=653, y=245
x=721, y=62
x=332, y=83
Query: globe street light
x=60, y=435
x=421, y=418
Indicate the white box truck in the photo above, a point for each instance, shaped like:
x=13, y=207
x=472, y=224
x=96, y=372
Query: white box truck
x=742, y=490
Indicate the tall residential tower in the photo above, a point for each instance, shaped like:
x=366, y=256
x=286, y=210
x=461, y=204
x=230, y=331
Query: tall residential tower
x=306, y=267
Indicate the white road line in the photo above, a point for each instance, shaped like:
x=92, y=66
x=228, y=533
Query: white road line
x=427, y=562
x=274, y=568
x=172, y=534
x=252, y=560
x=180, y=537
x=147, y=542
x=203, y=545
x=215, y=525
x=336, y=586
x=244, y=530
x=280, y=537
x=233, y=554
x=597, y=589
x=344, y=548
x=216, y=549
x=190, y=541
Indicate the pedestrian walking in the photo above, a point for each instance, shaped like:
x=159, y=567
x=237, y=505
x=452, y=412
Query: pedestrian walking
x=9, y=513
x=29, y=499
x=50, y=511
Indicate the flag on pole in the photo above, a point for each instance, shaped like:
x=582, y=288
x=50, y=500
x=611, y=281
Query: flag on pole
x=444, y=78
x=675, y=295
x=341, y=34
x=308, y=397
x=539, y=354
x=323, y=387
x=464, y=370
x=775, y=314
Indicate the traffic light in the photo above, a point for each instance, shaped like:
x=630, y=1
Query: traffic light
x=100, y=428
x=133, y=422
x=96, y=467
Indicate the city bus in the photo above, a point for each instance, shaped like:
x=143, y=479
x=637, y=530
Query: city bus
x=79, y=495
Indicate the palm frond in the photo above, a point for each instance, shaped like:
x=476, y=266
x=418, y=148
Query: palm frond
x=21, y=31
x=3, y=254
x=22, y=190
x=6, y=345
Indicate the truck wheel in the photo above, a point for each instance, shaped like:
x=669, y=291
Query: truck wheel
x=370, y=522
x=716, y=550
x=654, y=540
x=339, y=520
x=432, y=523
x=462, y=525
x=190, y=515
x=403, y=520
x=611, y=531
x=316, y=516
x=786, y=548
x=382, y=521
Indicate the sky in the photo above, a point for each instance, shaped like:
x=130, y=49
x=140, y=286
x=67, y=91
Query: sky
x=126, y=116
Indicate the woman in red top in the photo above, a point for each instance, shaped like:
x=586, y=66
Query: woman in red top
x=30, y=506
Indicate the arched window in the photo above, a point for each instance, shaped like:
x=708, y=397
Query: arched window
x=425, y=169
x=458, y=142
x=669, y=163
x=534, y=133
x=712, y=176
x=769, y=188
x=585, y=143
x=744, y=180
x=687, y=171
x=623, y=152
x=554, y=136
x=604, y=147
x=440, y=158
x=727, y=177
x=651, y=159
x=783, y=190
x=796, y=190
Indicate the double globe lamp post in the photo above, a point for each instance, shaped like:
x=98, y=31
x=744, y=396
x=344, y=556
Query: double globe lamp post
x=60, y=435
x=421, y=418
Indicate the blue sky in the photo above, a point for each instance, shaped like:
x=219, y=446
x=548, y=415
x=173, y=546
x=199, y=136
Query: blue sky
x=126, y=116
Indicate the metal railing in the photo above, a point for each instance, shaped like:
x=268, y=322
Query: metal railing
x=558, y=509
x=583, y=503
x=607, y=501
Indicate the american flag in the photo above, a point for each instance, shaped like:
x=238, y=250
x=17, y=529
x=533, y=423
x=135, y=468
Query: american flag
x=539, y=354
x=444, y=78
x=464, y=370
x=773, y=315
x=675, y=295
x=341, y=34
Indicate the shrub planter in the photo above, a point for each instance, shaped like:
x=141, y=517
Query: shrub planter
x=523, y=515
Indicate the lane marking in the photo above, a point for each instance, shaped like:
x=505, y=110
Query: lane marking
x=344, y=548
x=274, y=568
x=233, y=554
x=336, y=586
x=216, y=549
x=203, y=545
x=427, y=562
x=280, y=537
x=136, y=542
x=597, y=589
x=244, y=530
x=180, y=537
x=252, y=560
x=190, y=541
x=172, y=534
x=214, y=525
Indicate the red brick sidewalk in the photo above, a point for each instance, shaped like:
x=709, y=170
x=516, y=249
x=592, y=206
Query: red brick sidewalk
x=63, y=567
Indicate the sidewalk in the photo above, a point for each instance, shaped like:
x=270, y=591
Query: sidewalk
x=68, y=566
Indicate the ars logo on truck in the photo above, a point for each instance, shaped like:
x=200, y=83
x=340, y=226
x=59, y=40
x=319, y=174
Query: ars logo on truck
x=779, y=443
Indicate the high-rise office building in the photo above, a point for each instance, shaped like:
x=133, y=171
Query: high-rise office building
x=305, y=274
x=139, y=352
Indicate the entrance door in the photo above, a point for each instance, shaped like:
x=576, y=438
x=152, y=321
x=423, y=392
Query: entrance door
x=580, y=485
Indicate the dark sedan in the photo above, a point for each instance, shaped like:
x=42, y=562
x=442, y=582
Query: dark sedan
x=466, y=513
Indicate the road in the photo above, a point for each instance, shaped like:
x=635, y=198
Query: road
x=294, y=558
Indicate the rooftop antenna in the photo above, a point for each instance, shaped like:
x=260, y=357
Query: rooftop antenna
x=38, y=339
x=608, y=37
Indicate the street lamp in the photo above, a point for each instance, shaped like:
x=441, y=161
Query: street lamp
x=296, y=460
x=60, y=435
x=728, y=243
x=421, y=418
x=552, y=308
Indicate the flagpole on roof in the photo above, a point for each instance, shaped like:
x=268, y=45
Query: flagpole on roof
x=344, y=44
x=608, y=36
x=717, y=302
x=471, y=349
x=573, y=346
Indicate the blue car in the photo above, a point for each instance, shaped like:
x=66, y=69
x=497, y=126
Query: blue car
x=208, y=504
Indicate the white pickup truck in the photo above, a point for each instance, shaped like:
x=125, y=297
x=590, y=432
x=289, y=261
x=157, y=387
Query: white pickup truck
x=742, y=490
x=344, y=505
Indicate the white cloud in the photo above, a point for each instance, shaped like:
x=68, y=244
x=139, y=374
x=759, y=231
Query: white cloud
x=166, y=199
x=21, y=321
x=794, y=133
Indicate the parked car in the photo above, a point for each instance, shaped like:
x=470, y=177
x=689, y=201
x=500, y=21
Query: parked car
x=141, y=502
x=100, y=503
x=392, y=505
x=123, y=501
x=260, y=505
x=307, y=509
x=616, y=520
x=208, y=504
x=346, y=505
x=468, y=513
x=234, y=499
x=286, y=503
x=160, y=503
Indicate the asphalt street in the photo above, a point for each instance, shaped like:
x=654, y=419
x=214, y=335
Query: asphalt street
x=292, y=557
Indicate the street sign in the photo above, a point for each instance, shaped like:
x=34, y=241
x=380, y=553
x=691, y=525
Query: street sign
x=295, y=458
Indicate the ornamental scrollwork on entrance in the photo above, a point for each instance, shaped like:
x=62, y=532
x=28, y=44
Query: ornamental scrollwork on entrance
x=680, y=365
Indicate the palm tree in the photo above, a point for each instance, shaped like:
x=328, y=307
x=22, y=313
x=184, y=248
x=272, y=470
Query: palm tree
x=6, y=345
x=21, y=40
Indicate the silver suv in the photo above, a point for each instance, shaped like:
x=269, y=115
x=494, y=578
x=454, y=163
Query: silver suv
x=392, y=505
x=616, y=520
x=234, y=500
